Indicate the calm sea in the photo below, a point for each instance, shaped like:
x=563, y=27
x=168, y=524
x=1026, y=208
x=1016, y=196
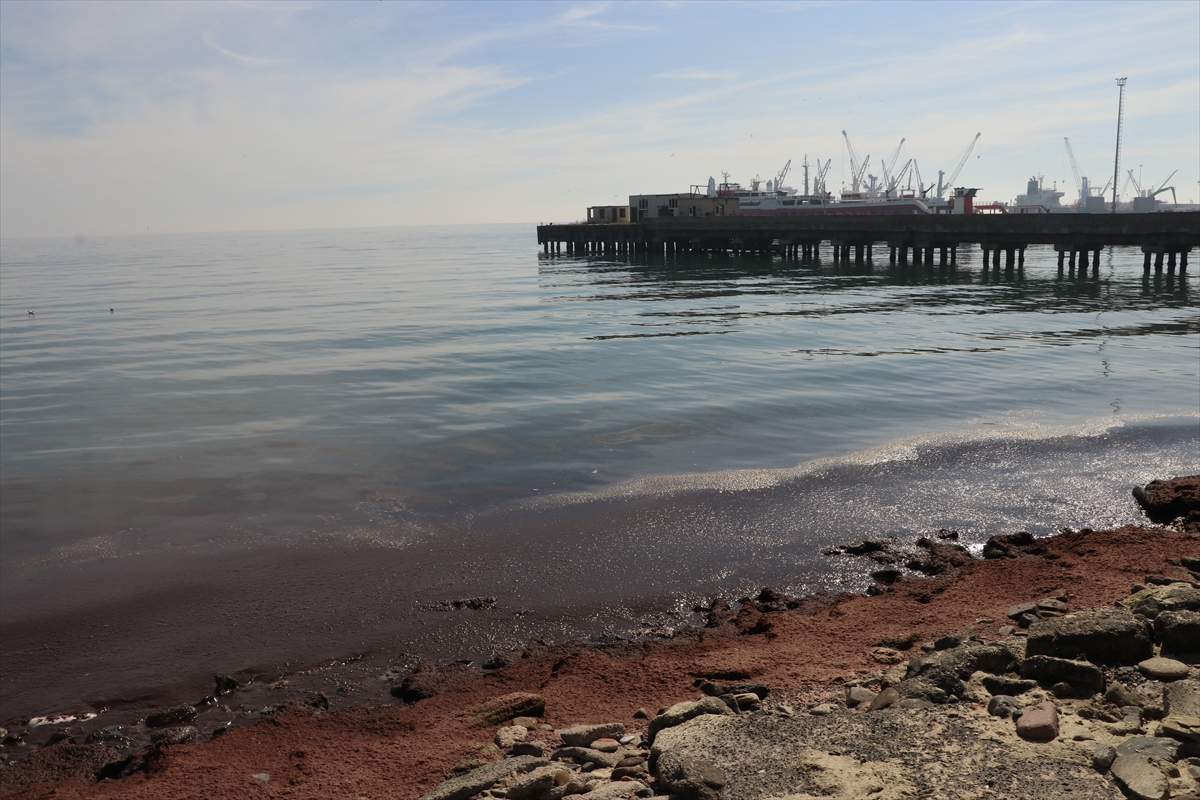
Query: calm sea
x=358, y=425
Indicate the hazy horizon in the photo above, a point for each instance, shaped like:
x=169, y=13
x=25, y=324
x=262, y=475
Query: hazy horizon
x=125, y=118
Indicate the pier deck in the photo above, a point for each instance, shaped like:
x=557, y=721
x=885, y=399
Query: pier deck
x=1161, y=236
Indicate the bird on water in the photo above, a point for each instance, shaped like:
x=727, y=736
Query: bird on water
x=31, y=313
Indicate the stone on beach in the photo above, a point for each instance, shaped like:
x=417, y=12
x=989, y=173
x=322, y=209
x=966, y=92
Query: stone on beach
x=508, y=736
x=1179, y=631
x=1101, y=636
x=682, y=712
x=689, y=778
x=1055, y=670
x=584, y=735
x=1163, y=669
x=1154, y=600
x=171, y=716
x=477, y=780
x=1039, y=723
x=1140, y=778
x=506, y=707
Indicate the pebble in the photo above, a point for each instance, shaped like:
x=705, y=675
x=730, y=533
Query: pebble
x=262, y=777
x=527, y=722
x=1103, y=757
x=627, y=738
x=1039, y=723
x=884, y=699
x=1163, y=669
x=1002, y=706
x=1006, y=630
x=821, y=710
x=1052, y=604
x=606, y=745
x=1017, y=611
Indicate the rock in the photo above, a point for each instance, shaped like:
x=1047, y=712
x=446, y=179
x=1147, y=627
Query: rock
x=1009, y=546
x=1185, y=729
x=688, y=778
x=746, y=701
x=1039, y=723
x=506, y=707
x=857, y=695
x=428, y=679
x=528, y=723
x=1160, y=747
x=1055, y=670
x=1190, y=563
x=1163, y=669
x=1006, y=630
x=937, y=558
x=1063, y=690
x=583, y=755
x=178, y=734
x=473, y=603
x=584, y=735
x=939, y=676
x=822, y=709
x=1140, y=778
x=1130, y=724
x=863, y=547
x=1002, y=706
x=1103, y=757
x=611, y=791
x=888, y=575
x=171, y=716
x=1121, y=695
x=1002, y=684
x=885, y=699
x=1053, y=604
x=1182, y=698
x=535, y=783
x=508, y=736
x=1101, y=636
x=1153, y=600
x=741, y=687
x=462, y=787
x=886, y=655
x=606, y=745
x=1025, y=620
x=1020, y=609
x=1163, y=501
x=529, y=748
x=641, y=713
x=949, y=641
x=113, y=733
x=224, y=684
x=1178, y=631
x=262, y=777
x=682, y=712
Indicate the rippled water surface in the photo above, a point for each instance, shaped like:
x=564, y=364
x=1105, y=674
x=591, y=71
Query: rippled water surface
x=181, y=397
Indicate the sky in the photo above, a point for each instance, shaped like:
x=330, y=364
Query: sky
x=122, y=118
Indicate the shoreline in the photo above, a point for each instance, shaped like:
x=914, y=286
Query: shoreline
x=825, y=641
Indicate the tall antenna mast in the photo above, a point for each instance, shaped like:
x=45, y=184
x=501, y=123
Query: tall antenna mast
x=1117, y=161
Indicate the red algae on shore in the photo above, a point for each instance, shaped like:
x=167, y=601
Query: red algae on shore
x=403, y=751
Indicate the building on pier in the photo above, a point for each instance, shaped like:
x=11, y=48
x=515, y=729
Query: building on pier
x=608, y=214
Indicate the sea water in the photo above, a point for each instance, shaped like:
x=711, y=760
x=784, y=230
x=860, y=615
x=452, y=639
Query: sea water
x=436, y=412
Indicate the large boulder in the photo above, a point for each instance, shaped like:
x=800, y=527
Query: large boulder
x=941, y=675
x=1140, y=778
x=1178, y=631
x=1163, y=501
x=682, y=712
x=1155, y=600
x=689, y=778
x=1048, y=669
x=1102, y=636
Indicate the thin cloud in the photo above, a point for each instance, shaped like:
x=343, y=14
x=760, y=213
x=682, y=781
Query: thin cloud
x=697, y=75
x=254, y=61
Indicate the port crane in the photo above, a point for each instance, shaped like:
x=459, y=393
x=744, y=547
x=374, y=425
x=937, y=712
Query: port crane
x=782, y=175
x=889, y=183
x=819, y=180
x=1081, y=185
x=1156, y=192
x=962, y=162
x=857, y=168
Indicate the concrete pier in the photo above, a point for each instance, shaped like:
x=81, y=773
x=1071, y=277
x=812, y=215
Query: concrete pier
x=1164, y=238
